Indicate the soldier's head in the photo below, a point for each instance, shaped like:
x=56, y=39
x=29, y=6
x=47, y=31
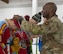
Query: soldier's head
x=36, y=18
x=49, y=10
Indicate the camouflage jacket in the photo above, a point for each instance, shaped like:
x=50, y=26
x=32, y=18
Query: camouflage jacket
x=53, y=27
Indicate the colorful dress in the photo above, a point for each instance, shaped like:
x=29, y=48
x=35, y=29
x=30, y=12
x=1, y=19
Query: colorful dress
x=24, y=42
x=4, y=34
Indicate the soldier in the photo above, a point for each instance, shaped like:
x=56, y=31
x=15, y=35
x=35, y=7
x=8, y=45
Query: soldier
x=51, y=30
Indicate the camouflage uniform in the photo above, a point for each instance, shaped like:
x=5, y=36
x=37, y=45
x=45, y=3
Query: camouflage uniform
x=51, y=32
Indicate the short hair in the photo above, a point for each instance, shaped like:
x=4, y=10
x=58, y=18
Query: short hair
x=51, y=5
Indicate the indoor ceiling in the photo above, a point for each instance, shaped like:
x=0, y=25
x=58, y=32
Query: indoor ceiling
x=25, y=3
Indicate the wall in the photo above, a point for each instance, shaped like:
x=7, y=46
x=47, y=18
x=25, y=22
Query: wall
x=9, y=12
x=60, y=12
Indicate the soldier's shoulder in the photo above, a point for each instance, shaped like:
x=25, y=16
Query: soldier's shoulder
x=55, y=20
